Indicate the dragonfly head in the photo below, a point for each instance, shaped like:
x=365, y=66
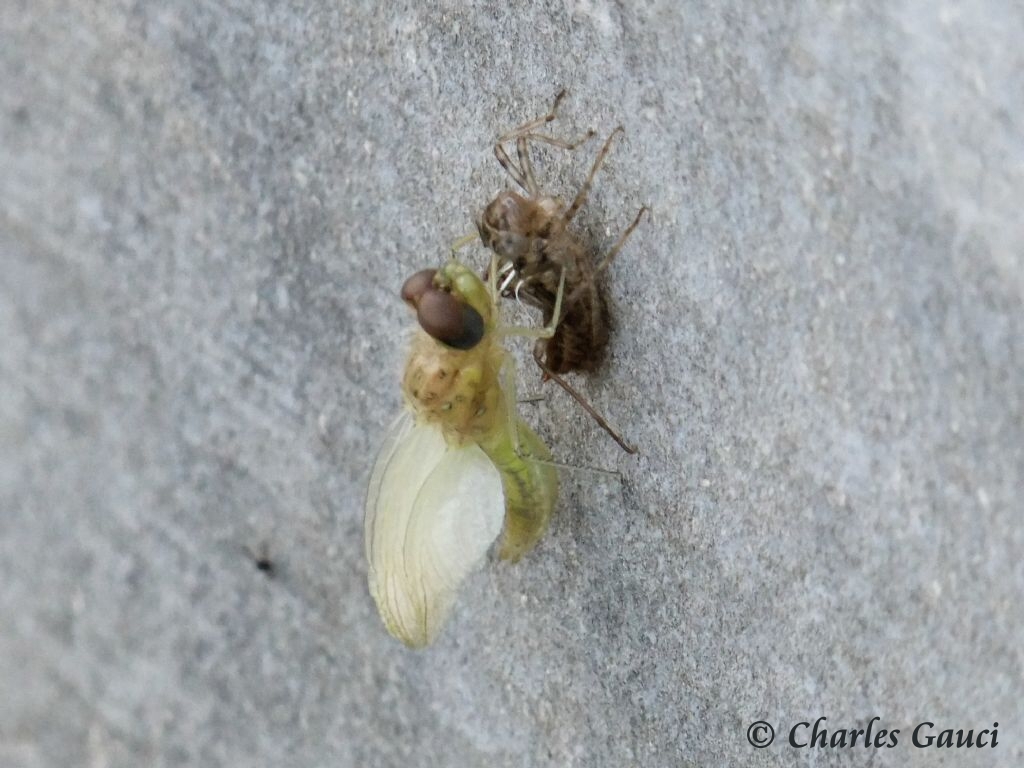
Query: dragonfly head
x=452, y=304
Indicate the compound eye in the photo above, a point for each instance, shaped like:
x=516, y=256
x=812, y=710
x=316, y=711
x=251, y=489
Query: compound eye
x=414, y=288
x=448, y=320
x=513, y=247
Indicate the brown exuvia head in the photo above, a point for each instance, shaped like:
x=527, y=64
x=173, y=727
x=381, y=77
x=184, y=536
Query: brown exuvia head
x=511, y=223
x=441, y=314
x=500, y=226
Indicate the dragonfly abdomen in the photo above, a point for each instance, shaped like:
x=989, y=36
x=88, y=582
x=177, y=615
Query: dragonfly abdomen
x=530, y=483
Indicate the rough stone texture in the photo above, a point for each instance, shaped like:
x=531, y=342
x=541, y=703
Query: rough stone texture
x=206, y=210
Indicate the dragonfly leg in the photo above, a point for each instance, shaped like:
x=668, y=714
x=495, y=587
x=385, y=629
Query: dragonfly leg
x=523, y=173
x=537, y=122
x=523, y=150
x=508, y=385
x=581, y=196
x=620, y=242
x=538, y=356
x=518, y=176
x=543, y=138
x=548, y=330
x=462, y=242
x=493, y=272
x=530, y=399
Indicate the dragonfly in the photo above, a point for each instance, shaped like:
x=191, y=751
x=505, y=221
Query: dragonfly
x=537, y=252
x=458, y=467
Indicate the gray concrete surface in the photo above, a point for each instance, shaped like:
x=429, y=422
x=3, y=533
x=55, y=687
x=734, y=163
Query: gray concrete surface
x=206, y=210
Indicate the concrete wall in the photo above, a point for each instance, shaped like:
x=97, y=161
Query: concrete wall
x=206, y=210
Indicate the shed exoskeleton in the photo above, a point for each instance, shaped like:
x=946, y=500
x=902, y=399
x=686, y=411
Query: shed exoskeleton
x=537, y=252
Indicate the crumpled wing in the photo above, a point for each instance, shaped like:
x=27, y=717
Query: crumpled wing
x=432, y=512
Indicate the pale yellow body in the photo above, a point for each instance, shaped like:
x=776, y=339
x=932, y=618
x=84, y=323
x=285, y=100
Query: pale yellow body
x=457, y=390
x=449, y=479
x=465, y=394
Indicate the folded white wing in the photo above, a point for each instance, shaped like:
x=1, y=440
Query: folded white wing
x=432, y=512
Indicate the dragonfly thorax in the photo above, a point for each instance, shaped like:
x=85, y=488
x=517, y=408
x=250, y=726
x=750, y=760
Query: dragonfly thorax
x=456, y=389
